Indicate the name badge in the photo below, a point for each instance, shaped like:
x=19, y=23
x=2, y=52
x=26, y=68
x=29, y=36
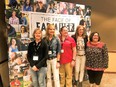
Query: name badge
x=49, y=52
x=62, y=50
x=35, y=58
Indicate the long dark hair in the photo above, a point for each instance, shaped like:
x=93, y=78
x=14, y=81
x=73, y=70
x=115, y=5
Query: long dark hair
x=76, y=32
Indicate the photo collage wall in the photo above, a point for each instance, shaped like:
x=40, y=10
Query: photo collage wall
x=23, y=16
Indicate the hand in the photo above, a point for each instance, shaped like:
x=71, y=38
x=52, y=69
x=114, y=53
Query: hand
x=35, y=68
x=73, y=63
x=57, y=65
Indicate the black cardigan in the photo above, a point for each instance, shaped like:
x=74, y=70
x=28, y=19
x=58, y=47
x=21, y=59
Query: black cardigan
x=85, y=39
x=42, y=52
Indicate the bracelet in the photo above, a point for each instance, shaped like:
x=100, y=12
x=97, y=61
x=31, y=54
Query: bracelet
x=73, y=59
x=58, y=61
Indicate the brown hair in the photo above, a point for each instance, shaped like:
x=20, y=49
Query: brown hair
x=76, y=32
x=37, y=29
x=25, y=30
x=92, y=34
x=62, y=28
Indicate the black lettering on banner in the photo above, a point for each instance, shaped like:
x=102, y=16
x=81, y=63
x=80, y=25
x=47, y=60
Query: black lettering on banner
x=38, y=24
x=43, y=26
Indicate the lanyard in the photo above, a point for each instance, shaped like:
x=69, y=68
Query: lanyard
x=62, y=42
x=36, y=47
x=50, y=44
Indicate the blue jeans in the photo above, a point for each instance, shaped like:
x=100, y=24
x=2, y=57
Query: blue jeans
x=38, y=77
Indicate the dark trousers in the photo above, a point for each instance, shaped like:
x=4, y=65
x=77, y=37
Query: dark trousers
x=95, y=76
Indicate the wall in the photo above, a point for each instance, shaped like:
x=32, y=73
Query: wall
x=112, y=63
x=104, y=21
x=2, y=14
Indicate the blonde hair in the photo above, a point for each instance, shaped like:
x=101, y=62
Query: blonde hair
x=49, y=26
x=37, y=29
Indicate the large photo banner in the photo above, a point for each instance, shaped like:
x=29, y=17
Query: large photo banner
x=41, y=20
x=24, y=16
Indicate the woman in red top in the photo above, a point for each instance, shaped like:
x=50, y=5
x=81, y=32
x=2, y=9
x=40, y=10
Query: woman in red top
x=67, y=57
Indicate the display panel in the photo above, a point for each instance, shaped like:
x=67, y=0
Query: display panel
x=23, y=16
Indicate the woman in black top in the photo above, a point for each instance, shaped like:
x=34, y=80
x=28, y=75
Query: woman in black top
x=37, y=55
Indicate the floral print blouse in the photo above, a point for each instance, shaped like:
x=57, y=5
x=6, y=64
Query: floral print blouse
x=96, y=56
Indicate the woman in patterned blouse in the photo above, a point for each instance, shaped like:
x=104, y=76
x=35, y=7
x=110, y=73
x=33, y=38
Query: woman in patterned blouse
x=96, y=59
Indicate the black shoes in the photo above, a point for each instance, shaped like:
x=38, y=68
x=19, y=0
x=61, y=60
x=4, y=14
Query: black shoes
x=77, y=84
